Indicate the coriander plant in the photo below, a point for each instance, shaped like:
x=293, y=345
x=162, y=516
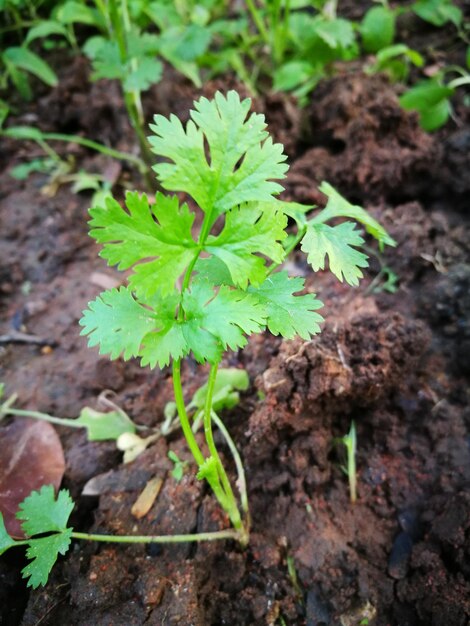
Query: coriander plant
x=202, y=293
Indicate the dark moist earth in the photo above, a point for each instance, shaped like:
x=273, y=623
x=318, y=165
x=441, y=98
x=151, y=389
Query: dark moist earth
x=396, y=364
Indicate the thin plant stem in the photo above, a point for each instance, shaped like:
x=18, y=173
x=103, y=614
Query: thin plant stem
x=209, y=536
x=258, y=20
x=351, y=445
x=238, y=462
x=99, y=147
x=459, y=82
x=37, y=415
x=183, y=415
x=233, y=511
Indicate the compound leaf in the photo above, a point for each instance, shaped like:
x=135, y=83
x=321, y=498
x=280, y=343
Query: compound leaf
x=40, y=512
x=44, y=552
x=161, y=232
x=117, y=323
x=288, y=315
x=247, y=231
x=211, y=323
x=242, y=160
x=338, y=206
x=337, y=243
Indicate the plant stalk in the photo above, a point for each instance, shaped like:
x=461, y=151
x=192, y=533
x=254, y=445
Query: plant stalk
x=209, y=536
x=232, y=509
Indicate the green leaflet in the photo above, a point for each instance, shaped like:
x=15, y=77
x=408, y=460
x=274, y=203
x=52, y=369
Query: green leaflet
x=117, y=323
x=42, y=513
x=161, y=232
x=140, y=70
x=338, y=206
x=248, y=231
x=43, y=553
x=242, y=160
x=212, y=323
x=288, y=315
x=335, y=242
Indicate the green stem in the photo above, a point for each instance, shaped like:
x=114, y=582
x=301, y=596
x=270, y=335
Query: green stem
x=238, y=462
x=183, y=415
x=60, y=421
x=232, y=510
x=258, y=20
x=209, y=536
x=189, y=435
x=351, y=446
x=131, y=99
x=93, y=145
x=459, y=82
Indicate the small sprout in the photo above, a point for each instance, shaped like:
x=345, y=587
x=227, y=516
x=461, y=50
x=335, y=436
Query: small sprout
x=178, y=466
x=350, y=443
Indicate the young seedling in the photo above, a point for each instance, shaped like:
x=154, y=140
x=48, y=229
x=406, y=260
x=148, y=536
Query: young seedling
x=203, y=291
x=178, y=466
x=350, y=443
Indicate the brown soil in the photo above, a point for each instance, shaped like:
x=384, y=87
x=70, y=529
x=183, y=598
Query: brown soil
x=395, y=363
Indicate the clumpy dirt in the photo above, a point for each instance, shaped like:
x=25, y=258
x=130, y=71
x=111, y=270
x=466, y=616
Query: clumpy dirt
x=397, y=364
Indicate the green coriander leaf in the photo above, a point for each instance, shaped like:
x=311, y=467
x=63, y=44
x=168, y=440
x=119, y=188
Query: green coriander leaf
x=161, y=232
x=44, y=552
x=42, y=513
x=212, y=323
x=248, y=231
x=140, y=45
x=117, y=323
x=338, y=206
x=292, y=74
x=167, y=340
x=336, y=33
x=104, y=426
x=167, y=343
x=242, y=161
x=288, y=315
x=107, y=62
x=214, y=271
x=228, y=316
x=6, y=541
x=335, y=242
x=147, y=73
